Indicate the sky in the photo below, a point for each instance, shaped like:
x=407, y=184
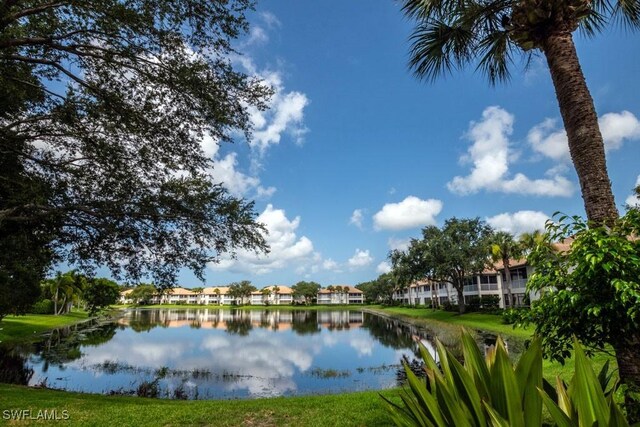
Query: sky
x=356, y=154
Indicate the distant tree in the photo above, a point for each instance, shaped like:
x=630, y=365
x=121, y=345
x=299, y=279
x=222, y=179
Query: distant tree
x=100, y=293
x=103, y=105
x=241, y=290
x=198, y=291
x=216, y=292
x=65, y=288
x=143, y=293
x=276, y=294
x=505, y=248
x=380, y=290
x=266, y=292
x=452, y=254
x=306, y=290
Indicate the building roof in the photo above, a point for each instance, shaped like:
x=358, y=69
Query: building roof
x=212, y=290
x=282, y=289
x=352, y=290
x=180, y=291
x=127, y=292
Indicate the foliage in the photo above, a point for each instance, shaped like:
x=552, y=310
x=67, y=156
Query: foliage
x=504, y=248
x=381, y=289
x=451, y=254
x=240, y=290
x=100, y=293
x=143, y=293
x=44, y=306
x=511, y=316
x=591, y=291
x=306, y=290
x=65, y=288
x=103, y=105
x=491, y=391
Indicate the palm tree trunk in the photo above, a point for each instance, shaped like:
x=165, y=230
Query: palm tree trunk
x=507, y=273
x=629, y=370
x=581, y=123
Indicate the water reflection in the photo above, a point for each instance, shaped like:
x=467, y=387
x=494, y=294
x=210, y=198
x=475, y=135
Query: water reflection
x=220, y=353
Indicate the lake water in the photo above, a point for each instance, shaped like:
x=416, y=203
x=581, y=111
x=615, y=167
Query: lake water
x=219, y=353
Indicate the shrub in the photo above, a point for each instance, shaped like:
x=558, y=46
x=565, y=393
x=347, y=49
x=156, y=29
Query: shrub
x=44, y=306
x=490, y=303
x=493, y=392
x=512, y=316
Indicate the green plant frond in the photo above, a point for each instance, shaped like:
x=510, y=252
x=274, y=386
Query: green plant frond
x=496, y=56
x=494, y=417
x=424, y=400
x=450, y=405
x=425, y=9
x=505, y=391
x=437, y=48
x=627, y=14
x=529, y=377
x=589, y=398
x=559, y=417
x=593, y=23
x=475, y=364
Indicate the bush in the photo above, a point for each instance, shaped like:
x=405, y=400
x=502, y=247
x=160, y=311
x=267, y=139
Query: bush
x=490, y=303
x=447, y=306
x=511, y=316
x=492, y=392
x=44, y=306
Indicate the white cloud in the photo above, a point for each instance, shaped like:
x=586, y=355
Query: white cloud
x=257, y=36
x=617, y=127
x=383, y=267
x=360, y=259
x=329, y=264
x=490, y=156
x=633, y=199
x=356, y=218
x=287, y=248
x=519, y=222
x=410, y=213
x=549, y=138
x=285, y=112
x=225, y=170
x=270, y=19
x=398, y=244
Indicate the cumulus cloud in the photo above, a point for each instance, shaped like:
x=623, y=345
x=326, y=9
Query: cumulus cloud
x=383, y=267
x=360, y=259
x=633, y=199
x=285, y=113
x=398, y=244
x=519, y=222
x=410, y=213
x=329, y=264
x=356, y=218
x=287, y=248
x=549, y=138
x=490, y=156
x=225, y=171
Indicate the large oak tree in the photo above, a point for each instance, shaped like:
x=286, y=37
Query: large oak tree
x=103, y=105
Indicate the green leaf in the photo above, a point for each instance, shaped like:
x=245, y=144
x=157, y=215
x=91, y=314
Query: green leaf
x=529, y=376
x=505, y=392
x=559, y=416
x=588, y=397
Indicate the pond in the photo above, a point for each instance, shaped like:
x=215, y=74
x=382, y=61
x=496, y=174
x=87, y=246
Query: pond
x=219, y=353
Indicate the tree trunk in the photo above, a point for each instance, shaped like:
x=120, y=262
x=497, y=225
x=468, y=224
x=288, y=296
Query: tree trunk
x=627, y=354
x=581, y=124
x=507, y=274
x=461, y=307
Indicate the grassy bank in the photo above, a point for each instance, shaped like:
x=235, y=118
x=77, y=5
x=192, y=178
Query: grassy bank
x=350, y=409
x=479, y=321
x=30, y=326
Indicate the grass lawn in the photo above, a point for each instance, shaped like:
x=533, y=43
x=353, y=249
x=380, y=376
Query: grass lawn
x=350, y=409
x=30, y=326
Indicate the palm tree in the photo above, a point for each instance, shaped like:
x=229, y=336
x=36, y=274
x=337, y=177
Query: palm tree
x=276, y=290
x=266, y=292
x=452, y=34
x=216, y=292
x=504, y=248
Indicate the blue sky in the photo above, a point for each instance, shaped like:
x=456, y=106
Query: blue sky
x=356, y=155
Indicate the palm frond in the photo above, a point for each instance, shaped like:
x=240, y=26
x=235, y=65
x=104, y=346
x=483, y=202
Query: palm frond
x=626, y=13
x=496, y=50
x=593, y=23
x=430, y=9
x=437, y=47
